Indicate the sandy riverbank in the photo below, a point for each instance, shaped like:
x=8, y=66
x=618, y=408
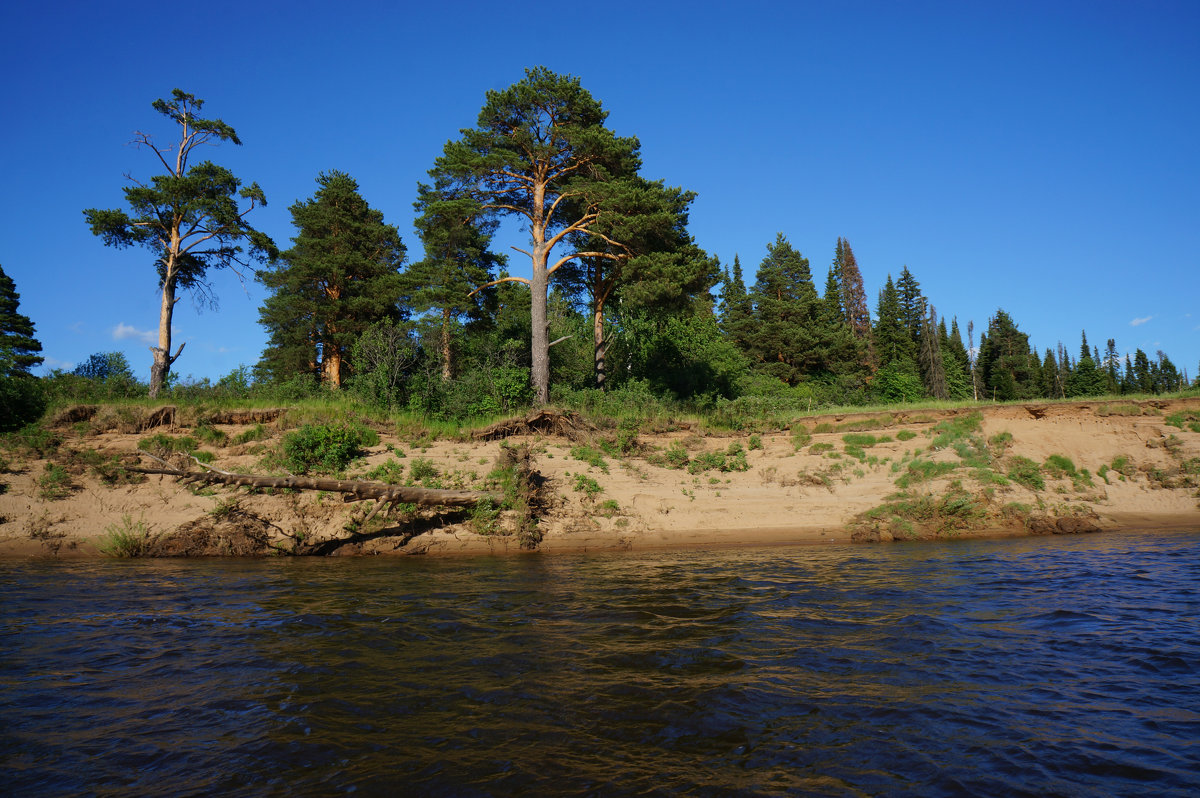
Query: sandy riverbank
x=818, y=486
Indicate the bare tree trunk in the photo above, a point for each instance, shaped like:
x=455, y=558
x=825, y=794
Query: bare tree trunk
x=601, y=346
x=446, y=374
x=160, y=369
x=333, y=367
x=540, y=348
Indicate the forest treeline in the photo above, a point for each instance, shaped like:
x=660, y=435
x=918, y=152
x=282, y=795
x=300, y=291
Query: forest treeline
x=620, y=304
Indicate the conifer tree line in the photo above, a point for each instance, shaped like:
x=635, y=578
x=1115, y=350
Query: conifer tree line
x=619, y=297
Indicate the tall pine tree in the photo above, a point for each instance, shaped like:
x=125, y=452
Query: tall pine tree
x=341, y=275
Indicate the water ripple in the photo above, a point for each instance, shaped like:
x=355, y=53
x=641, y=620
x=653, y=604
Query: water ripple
x=1049, y=667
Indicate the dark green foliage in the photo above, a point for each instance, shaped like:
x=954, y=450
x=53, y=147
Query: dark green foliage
x=341, y=275
x=588, y=486
x=737, y=309
x=325, y=448
x=893, y=344
x=54, y=483
x=1026, y=472
x=1006, y=364
x=451, y=281
x=898, y=381
x=22, y=401
x=786, y=343
x=18, y=348
x=920, y=470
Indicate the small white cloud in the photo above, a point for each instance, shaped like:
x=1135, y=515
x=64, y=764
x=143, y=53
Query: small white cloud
x=123, y=331
x=51, y=363
x=77, y=327
x=1138, y=322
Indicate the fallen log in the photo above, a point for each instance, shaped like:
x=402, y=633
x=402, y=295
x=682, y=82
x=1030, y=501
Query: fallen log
x=358, y=489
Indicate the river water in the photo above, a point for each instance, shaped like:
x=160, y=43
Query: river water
x=1060, y=666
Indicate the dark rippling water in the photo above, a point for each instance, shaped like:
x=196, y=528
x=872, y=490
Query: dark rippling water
x=1012, y=667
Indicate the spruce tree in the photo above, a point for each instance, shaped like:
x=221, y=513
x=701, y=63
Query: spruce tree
x=1005, y=360
x=912, y=305
x=854, y=296
x=1143, y=381
x=892, y=341
x=18, y=347
x=933, y=369
x=787, y=338
x=341, y=275
x=1086, y=379
x=737, y=320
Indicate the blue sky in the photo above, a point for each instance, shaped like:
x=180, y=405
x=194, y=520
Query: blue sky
x=1039, y=157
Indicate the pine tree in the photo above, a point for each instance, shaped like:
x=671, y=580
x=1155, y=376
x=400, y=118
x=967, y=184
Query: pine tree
x=190, y=219
x=457, y=262
x=341, y=275
x=540, y=153
x=18, y=347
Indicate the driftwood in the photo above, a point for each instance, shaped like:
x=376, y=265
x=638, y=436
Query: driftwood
x=352, y=488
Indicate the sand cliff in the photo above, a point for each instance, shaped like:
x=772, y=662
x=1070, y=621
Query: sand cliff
x=909, y=474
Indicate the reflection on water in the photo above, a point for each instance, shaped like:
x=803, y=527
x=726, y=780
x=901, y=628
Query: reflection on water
x=1065, y=666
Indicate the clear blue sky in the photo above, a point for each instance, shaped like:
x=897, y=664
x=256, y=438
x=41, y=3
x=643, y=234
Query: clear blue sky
x=1041, y=157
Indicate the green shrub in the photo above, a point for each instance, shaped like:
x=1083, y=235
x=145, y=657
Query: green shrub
x=820, y=448
x=822, y=428
x=800, y=437
x=1025, y=472
x=55, y=483
x=211, y=435
x=422, y=470
x=1058, y=466
x=127, y=540
x=755, y=442
x=905, y=435
x=389, y=471
x=589, y=455
x=586, y=485
x=923, y=471
x=325, y=448
x=255, y=433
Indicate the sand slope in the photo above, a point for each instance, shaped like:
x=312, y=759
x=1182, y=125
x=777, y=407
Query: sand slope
x=815, y=492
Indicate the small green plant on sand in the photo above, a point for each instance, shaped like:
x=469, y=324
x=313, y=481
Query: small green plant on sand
x=55, y=483
x=587, y=486
x=128, y=539
x=1025, y=472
